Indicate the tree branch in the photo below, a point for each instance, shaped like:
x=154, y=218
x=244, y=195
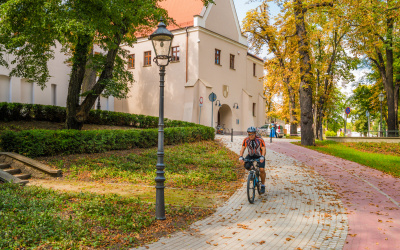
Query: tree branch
x=317, y=5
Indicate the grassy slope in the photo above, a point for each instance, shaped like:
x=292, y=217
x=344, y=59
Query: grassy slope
x=195, y=172
x=379, y=156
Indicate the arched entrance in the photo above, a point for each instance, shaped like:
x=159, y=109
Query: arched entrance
x=225, y=117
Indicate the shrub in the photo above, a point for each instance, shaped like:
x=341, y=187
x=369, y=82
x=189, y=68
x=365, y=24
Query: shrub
x=330, y=133
x=21, y=111
x=34, y=143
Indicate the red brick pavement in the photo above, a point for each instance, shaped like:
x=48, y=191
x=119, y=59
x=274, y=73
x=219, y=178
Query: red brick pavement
x=371, y=198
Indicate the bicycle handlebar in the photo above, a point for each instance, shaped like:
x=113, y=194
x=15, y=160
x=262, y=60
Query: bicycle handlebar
x=251, y=160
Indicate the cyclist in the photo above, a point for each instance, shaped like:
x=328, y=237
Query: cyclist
x=256, y=150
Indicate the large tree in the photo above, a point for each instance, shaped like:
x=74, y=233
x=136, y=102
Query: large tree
x=32, y=31
x=375, y=33
x=282, y=67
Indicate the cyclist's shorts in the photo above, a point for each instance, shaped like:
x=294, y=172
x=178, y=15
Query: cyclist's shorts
x=247, y=165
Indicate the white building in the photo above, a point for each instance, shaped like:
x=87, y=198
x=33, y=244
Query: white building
x=210, y=55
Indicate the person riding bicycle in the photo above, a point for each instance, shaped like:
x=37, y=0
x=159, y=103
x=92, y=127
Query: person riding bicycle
x=256, y=150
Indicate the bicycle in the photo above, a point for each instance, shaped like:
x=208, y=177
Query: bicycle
x=253, y=180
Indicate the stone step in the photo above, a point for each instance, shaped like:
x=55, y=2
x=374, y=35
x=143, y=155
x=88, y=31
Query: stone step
x=4, y=165
x=23, y=182
x=12, y=171
x=23, y=176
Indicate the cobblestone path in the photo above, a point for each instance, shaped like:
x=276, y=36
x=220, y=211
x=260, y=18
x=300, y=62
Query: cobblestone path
x=371, y=198
x=298, y=211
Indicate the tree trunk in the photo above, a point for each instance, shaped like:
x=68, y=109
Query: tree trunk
x=75, y=82
x=89, y=80
x=305, y=91
x=292, y=110
x=396, y=106
x=91, y=98
x=389, y=84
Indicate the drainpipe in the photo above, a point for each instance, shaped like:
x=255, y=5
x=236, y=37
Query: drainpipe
x=187, y=52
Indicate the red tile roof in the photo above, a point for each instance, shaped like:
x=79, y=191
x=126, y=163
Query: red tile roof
x=182, y=11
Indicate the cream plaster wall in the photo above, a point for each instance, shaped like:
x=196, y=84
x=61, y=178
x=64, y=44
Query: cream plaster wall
x=144, y=93
x=4, y=88
x=222, y=20
x=204, y=77
x=20, y=90
x=219, y=75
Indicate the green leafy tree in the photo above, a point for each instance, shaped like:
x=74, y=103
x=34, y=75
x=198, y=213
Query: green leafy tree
x=33, y=30
x=375, y=33
x=361, y=101
x=335, y=110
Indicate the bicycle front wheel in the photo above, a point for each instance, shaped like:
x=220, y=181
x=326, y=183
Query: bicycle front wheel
x=258, y=184
x=251, y=191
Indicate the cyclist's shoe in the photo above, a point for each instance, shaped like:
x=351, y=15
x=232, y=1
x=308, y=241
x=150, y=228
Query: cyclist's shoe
x=262, y=189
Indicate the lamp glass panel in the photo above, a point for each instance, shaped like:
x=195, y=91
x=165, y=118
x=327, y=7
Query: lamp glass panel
x=161, y=47
x=381, y=97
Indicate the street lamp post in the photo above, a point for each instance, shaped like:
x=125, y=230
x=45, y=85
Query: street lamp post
x=381, y=96
x=161, y=40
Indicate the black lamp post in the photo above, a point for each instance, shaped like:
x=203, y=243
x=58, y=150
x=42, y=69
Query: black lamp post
x=161, y=40
x=381, y=96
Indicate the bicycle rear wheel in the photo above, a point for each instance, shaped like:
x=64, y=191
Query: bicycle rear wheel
x=251, y=191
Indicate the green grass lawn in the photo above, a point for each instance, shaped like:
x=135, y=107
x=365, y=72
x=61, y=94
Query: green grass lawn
x=197, y=174
x=201, y=165
x=381, y=156
x=35, y=217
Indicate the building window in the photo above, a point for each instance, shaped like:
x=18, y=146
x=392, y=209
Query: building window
x=254, y=69
x=131, y=61
x=254, y=109
x=175, y=54
x=54, y=94
x=147, y=58
x=232, y=61
x=218, y=56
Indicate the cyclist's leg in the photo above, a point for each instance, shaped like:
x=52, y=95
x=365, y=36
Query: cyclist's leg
x=262, y=172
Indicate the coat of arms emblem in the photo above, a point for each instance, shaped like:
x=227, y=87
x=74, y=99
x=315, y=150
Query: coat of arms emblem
x=225, y=90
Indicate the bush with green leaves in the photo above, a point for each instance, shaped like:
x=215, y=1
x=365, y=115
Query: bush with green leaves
x=34, y=143
x=37, y=112
x=330, y=133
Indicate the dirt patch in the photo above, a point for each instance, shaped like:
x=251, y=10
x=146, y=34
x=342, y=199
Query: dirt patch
x=173, y=196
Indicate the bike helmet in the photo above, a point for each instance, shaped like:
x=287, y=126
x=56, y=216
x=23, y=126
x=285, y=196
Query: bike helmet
x=251, y=130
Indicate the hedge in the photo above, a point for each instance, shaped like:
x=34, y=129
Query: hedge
x=34, y=143
x=37, y=112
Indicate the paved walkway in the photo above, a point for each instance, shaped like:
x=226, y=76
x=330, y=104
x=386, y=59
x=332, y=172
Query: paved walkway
x=371, y=198
x=299, y=210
